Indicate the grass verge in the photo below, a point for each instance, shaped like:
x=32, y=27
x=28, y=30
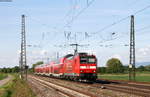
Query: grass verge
x=140, y=76
x=3, y=75
x=16, y=88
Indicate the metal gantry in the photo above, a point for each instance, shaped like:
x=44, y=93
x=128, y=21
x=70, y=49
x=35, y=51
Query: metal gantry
x=76, y=47
x=132, y=51
x=23, y=60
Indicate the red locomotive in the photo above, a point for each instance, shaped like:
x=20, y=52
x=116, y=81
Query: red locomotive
x=80, y=66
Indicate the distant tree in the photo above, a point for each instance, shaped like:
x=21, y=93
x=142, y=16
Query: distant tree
x=4, y=70
x=16, y=69
x=9, y=70
x=126, y=69
x=141, y=68
x=39, y=63
x=101, y=70
x=147, y=68
x=34, y=65
x=114, y=65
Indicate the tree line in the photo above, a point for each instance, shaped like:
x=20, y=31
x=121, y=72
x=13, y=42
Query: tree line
x=114, y=65
x=15, y=69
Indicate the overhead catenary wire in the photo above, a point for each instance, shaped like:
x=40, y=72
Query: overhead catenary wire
x=78, y=14
x=114, y=22
x=117, y=22
x=137, y=31
x=108, y=26
x=68, y=13
x=73, y=17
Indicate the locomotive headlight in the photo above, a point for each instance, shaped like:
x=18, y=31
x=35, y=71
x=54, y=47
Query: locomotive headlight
x=94, y=71
x=81, y=70
x=92, y=67
x=82, y=67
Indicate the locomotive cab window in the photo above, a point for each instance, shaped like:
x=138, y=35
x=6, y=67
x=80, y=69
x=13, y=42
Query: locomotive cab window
x=87, y=60
x=83, y=60
x=92, y=60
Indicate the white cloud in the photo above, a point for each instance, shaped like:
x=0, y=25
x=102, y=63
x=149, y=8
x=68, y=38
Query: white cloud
x=116, y=56
x=144, y=51
x=143, y=54
x=43, y=52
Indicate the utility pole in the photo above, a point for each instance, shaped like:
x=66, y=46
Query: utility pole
x=132, y=51
x=21, y=70
x=23, y=62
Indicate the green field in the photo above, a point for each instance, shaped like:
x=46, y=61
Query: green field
x=140, y=76
x=2, y=76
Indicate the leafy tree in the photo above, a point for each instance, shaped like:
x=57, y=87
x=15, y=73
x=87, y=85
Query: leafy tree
x=114, y=65
x=34, y=65
x=126, y=69
x=101, y=69
x=38, y=63
x=10, y=70
x=16, y=69
x=141, y=68
x=4, y=70
x=147, y=68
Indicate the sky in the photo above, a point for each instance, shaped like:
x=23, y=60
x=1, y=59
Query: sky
x=51, y=25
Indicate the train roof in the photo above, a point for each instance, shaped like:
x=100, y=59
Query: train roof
x=82, y=53
x=68, y=55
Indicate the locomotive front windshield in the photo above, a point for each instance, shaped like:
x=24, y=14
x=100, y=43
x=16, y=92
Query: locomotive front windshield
x=87, y=60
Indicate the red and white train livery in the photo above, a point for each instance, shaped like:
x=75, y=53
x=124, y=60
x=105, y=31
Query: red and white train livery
x=80, y=66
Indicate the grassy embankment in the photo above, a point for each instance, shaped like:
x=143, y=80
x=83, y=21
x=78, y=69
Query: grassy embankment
x=16, y=88
x=2, y=76
x=140, y=76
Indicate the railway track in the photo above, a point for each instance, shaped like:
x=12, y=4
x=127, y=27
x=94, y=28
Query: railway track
x=68, y=92
x=127, y=89
x=125, y=81
x=130, y=88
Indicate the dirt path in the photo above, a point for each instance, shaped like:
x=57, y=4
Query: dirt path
x=4, y=81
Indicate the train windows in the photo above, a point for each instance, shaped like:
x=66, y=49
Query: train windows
x=91, y=60
x=87, y=60
x=83, y=60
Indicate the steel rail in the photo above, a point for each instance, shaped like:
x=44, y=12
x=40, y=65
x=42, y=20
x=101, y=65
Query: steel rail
x=63, y=89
